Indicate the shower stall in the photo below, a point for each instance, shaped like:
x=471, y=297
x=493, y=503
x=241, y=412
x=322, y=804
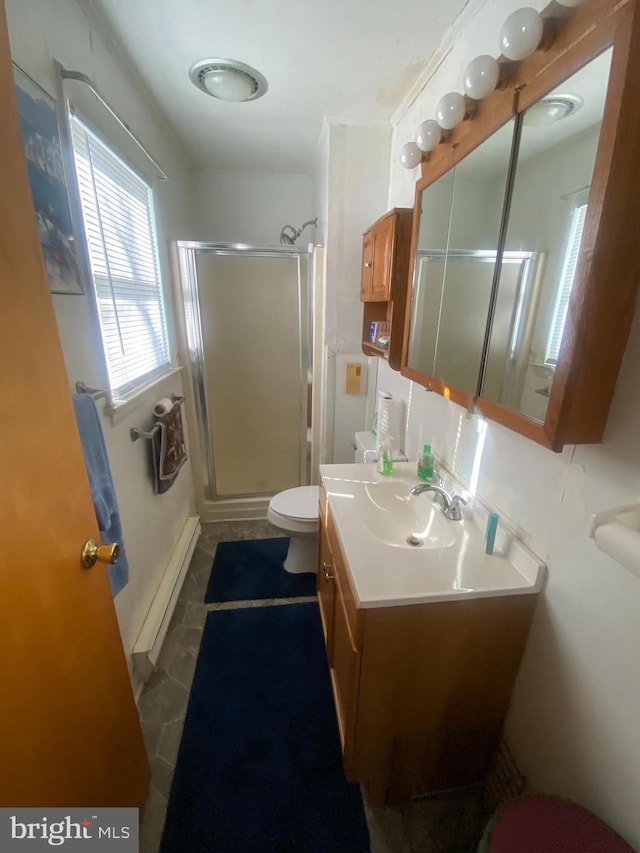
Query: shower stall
x=248, y=329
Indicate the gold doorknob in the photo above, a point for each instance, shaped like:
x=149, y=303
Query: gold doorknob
x=93, y=553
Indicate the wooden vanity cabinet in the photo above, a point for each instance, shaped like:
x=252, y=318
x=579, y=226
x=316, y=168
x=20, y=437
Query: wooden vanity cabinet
x=421, y=691
x=383, y=285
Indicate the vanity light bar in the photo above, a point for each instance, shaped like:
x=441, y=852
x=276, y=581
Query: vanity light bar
x=520, y=35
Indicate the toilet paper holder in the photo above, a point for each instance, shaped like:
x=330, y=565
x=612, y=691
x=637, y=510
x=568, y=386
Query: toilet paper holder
x=616, y=532
x=137, y=433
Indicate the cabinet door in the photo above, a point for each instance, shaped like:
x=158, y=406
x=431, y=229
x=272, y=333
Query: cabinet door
x=367, y=267
x=382, y=251
x=326, y=591
x=346, y=673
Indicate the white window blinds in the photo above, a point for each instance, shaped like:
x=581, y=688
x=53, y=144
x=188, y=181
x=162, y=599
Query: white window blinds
x=117, y=209
x=566, y=283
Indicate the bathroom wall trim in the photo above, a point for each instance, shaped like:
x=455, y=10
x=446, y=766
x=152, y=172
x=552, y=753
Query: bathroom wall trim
x=235, y=509
x=156, y=624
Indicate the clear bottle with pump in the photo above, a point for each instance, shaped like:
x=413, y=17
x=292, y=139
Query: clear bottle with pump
x=385, y=458
x=425, y=464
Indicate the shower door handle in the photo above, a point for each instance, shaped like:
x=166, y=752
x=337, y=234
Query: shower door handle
x=93, y=553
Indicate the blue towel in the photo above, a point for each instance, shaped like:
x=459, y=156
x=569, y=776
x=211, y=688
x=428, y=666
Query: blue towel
x=101, y=482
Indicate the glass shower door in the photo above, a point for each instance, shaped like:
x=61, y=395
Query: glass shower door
x=254, y=326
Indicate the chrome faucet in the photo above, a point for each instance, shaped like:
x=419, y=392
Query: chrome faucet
x=448, y=502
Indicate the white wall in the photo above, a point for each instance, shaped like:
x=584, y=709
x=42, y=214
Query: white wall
x=572, y=722
x=250, y=207
x=41, y=31
x=357, y=190
x=350, y=190
x=320, y=190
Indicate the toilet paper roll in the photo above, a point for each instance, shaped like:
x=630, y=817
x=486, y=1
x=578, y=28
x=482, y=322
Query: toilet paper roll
x=621, y=543
x=390, y=423
x=382, y=395
x=162, y=407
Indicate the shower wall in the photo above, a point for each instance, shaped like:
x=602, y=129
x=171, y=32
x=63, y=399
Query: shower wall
x=247, y=315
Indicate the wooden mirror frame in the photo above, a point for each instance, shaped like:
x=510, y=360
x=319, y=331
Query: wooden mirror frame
x=604, y=290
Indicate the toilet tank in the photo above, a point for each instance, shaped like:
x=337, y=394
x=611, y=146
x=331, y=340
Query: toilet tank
x=365, y=449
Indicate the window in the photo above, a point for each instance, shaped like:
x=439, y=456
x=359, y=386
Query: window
x=117, y=208
x=566, y=282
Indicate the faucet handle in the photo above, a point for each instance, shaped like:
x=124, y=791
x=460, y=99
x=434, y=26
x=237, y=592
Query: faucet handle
x=437, y=476
x=454, y=507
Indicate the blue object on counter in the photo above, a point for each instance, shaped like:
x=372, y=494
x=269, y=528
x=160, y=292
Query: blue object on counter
x=490, y=533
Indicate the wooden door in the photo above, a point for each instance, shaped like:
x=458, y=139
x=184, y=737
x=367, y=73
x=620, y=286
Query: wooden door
x=69, y=731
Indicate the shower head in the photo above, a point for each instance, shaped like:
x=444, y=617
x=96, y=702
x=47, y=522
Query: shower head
x=289, y=239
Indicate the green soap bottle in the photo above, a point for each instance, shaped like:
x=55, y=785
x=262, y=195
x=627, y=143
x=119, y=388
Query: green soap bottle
x=385, y=458
x=425, y=464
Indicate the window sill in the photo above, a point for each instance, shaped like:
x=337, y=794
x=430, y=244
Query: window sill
x=143, y=397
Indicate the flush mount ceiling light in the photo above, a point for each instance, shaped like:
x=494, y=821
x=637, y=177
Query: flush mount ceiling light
x=228, y=79
x=552, y=109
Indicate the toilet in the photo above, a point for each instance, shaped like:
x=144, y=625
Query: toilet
x=295, y=513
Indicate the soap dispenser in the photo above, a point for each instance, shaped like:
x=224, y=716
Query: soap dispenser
x=385, y=458
x=425, y=464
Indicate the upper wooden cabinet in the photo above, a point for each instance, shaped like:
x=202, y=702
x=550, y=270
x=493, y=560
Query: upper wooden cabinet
x=385, y=267
x=524, y=261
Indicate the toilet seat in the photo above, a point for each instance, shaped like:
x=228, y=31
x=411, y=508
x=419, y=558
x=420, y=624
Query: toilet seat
x=298, y=504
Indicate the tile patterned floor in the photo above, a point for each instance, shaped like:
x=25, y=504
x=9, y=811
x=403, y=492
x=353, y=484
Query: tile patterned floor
x=449, y=824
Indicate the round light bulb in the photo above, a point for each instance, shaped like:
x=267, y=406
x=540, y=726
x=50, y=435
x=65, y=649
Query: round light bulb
x=428, y=135
x=521, y=33
x=481, y=77
x=569, y=4
x=410, y=155
x=228, y=85
x=450, y=110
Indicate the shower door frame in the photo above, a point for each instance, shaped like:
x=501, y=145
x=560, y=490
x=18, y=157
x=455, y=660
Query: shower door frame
x=188, y=285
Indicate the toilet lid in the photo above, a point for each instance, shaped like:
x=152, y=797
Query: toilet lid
x=300, y=503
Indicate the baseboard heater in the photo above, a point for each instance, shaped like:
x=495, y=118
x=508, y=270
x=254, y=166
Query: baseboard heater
x=154, y=629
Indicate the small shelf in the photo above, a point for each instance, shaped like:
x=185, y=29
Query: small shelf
x=616, y=532
x=373, y=349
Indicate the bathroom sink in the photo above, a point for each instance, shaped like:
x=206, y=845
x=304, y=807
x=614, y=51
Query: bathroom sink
x=375, y=519
x=394, y=516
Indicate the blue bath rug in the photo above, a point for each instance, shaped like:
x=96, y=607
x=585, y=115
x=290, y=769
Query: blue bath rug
x=252, y=569
x=259, y=767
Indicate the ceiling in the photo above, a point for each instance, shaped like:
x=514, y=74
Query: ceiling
x=353, y=60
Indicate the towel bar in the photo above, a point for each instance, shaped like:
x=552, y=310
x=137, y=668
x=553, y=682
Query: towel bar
x=96, y=393
x=136, y=433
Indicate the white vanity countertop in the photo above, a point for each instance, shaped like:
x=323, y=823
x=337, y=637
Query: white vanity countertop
x=386, y=574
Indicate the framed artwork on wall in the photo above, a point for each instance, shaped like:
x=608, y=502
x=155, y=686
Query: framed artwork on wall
x=45, y=165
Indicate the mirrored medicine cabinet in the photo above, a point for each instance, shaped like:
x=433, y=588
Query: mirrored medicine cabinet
x=524, y=258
